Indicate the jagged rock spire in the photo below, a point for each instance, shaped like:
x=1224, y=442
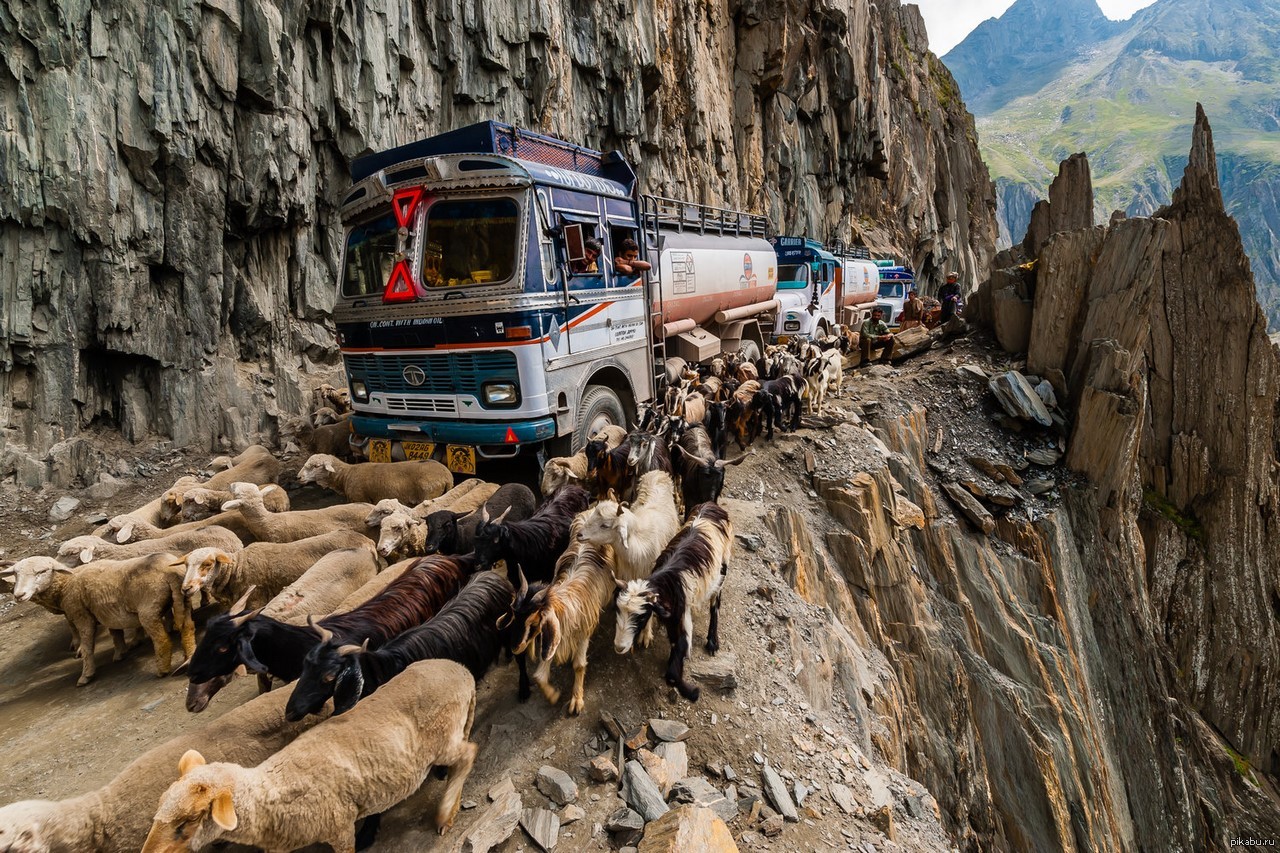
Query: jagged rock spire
x=1069, y=208
x=1200, y=179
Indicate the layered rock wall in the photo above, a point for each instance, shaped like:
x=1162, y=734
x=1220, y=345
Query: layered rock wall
x=169, y=231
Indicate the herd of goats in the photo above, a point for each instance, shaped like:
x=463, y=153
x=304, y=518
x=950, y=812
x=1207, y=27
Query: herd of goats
x=477, y=570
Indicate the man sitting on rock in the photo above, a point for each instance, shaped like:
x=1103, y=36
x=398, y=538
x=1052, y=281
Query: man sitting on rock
x=875, y=335
x=950, y=296
x=912, y=311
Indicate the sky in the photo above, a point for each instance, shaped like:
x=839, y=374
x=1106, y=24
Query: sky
x=949, y=21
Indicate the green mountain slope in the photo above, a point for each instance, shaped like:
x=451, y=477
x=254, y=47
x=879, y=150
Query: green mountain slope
x=1127, y=98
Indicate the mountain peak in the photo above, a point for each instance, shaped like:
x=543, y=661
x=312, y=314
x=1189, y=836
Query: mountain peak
x=1200, y=178
x=1017, y=53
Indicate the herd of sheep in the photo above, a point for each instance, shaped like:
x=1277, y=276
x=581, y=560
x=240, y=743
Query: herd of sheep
x=382, y=611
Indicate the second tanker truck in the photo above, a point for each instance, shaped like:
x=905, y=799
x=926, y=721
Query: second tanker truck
x=486, y=305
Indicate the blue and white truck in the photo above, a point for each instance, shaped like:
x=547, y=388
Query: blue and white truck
x=480, y=309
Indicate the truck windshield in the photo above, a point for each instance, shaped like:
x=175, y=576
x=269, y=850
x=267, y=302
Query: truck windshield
x=791, y=276
x=470, y=241
x=893, y=290
x=370, y=248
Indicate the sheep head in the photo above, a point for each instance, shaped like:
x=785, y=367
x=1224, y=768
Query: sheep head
x=556, y=476
x=381, y=510
x=81, y=547
x=34, y=575
x=242, y=494
x=199, y=503
x=397, y=530
x=197, y=809
x=203, y=566
x=317, y=469
x=442, y=527
x=127, y=528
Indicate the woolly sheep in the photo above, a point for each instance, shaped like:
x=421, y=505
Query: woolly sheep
x=254, y=465
x=89, y=548
x=267, y=526
x=116, y=817
x=150, y=513
x=125, y=529
x=403, y=534
x=408, y=482
x=639, y=532
x=269, y=566
x=200, y=502
x=324, y=586
x=349, y=767
x=117, y=594
x=464, y=497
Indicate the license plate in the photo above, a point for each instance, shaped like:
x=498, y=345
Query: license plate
x=378, y=450
x=460, y=458
x=418, y=449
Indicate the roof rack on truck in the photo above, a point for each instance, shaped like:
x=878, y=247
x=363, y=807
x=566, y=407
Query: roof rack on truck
x=675, y=215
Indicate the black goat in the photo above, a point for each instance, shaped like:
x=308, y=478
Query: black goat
x=701, y=473
x=689, y=573
x=451, y=532
x=534, y=544
x=276, y=649
x=776, y=399
x=465, y=631
x=717, y=425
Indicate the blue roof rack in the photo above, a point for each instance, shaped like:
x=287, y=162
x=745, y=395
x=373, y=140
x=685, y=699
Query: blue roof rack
x=492, y=137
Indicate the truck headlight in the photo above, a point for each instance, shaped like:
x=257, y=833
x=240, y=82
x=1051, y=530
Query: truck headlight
x=500, y=394
x=359, y=391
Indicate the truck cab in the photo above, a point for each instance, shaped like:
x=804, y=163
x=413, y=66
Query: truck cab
x=807, y=275
x=895, y=283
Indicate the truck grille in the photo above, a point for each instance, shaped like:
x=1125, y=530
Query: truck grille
x=446, y=373
x=422, y=405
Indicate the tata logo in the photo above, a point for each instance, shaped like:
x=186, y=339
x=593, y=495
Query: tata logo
x=414, y=375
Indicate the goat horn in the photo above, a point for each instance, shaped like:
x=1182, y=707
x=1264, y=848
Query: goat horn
x=242, y=618
x=524, y=584
x=500, y=518
x=325, y=635
x=484, y=515
x=240, y=605
x=620, y=584
x=181, y=668
x=352, y=649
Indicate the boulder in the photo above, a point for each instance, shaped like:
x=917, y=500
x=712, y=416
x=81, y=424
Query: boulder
x=1011, y=319
x=1017, y=397
x=776, y=790
x=495, y=825
x=641, y=793
x=542, y=825
x=557, y=785
x=688, y=828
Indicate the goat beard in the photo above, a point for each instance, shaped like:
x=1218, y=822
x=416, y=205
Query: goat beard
x=348, y=689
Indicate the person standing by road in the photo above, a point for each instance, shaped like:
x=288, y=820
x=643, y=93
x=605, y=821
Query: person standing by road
x=949, y=295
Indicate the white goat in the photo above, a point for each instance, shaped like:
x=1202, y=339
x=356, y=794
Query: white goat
x=639, y=532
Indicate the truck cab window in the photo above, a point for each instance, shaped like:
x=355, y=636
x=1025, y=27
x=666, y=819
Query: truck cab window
x=470, y=241
x=369, y=257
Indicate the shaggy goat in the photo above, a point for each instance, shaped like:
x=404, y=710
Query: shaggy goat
x=638, y=532
x=453, y=532
x=690, y=573
x=701, y=473
x=554, y=624
x=465, y=631
x=347, y=768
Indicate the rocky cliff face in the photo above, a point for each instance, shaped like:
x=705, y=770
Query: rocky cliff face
x=1165, y=562
x=168, y=224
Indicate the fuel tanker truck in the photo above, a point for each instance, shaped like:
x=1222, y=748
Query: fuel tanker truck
x=819, y=288
x=487, y=304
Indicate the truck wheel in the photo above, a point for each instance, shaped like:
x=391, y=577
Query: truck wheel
x=750, y=350
x=599, y=408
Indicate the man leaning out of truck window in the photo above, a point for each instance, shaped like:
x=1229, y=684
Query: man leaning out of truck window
x=628, y=262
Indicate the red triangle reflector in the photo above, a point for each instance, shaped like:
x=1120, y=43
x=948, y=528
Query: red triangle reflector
x=400, y=286
x=405, y=202
x=511, y=436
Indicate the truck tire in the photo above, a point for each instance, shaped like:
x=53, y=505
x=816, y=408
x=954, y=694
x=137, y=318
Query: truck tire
x=600, y=407
x=750, y=350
